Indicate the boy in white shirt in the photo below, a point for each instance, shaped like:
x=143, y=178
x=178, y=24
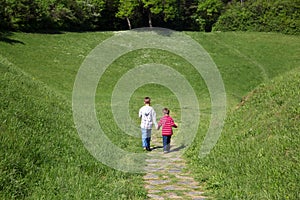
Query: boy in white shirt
x=148, y=117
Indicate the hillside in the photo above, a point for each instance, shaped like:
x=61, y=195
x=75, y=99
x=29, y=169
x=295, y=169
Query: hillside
x=41, y=155
x=257, y=156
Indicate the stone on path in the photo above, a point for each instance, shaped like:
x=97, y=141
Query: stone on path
x=167, y=176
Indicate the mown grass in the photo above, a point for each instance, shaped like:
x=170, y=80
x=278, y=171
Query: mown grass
x=55, y=163
x=52, y=58
x=247, y=59
x=160, y=95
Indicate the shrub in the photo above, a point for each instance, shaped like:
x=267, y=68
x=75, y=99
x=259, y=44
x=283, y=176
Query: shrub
x=266, y=16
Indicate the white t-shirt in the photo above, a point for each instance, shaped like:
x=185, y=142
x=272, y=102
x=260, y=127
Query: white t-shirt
x=148, y=117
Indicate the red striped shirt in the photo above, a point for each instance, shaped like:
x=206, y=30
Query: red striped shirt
x=167, y=123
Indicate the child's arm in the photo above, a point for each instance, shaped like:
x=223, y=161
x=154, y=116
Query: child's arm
x=173, y=124
x=159, y=125
x=154, y=119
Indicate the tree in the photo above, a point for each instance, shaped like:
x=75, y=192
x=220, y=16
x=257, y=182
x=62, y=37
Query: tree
x=152, y=7
x=208, y=12
x=126, y=10
x=261, y=15
x=169, y=9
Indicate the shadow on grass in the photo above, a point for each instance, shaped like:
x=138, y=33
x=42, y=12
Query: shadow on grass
x=160, y=31
x=178, y=148
x=172, y=150
x=157, y=147
x=4, y=37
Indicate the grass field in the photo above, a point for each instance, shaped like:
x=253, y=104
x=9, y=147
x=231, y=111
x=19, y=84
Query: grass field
x=43, y=157
x=257, y=155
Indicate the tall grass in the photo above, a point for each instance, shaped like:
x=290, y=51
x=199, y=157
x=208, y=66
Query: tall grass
x=43, y=157
x=257, y=156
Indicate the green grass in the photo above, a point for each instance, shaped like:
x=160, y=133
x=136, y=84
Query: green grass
x=43, y=157
x=51, y=58
x=247, y=59
x=257, y=156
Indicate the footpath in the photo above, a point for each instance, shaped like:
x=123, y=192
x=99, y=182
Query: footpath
x=167, y=176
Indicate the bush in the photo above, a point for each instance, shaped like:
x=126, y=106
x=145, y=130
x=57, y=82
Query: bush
x=36, y=15
x=270, y=16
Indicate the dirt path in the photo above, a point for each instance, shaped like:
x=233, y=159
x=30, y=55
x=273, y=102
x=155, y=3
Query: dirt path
x=167, y=176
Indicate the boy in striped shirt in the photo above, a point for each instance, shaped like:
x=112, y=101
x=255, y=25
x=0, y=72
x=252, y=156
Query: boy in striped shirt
x=167, y=123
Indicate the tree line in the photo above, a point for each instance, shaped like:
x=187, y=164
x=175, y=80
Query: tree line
x=196, y=15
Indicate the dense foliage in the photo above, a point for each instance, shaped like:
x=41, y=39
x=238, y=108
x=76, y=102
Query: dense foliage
x=261, y=15
x=197, y=15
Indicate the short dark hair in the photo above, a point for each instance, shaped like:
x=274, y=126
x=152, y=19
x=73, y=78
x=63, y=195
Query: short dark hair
x=166, y=111
x=147, y=100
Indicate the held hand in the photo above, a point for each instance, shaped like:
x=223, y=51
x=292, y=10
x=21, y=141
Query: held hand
x=157, y=127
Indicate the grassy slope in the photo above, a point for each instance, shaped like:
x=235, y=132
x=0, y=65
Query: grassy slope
x=51, y=58
x=41, y=155
x=247, y=59
x=161, y=96
x=244, y=60
x=245, y=166
x=257, y=156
